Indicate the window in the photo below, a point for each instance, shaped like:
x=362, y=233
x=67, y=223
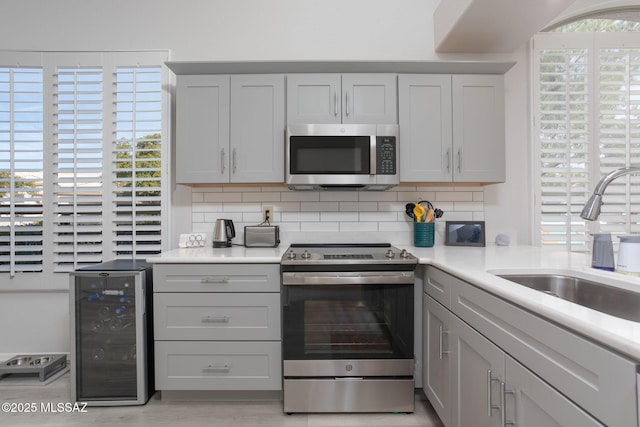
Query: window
x=586, y=123
x=82, y=156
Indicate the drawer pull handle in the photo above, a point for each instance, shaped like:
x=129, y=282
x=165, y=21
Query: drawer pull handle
x=503, y=412
x=216, y=319
x=218, y=368
x=490, y=380
x=215, y=280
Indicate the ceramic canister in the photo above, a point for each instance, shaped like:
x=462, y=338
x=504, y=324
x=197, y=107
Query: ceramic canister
x=629, y=255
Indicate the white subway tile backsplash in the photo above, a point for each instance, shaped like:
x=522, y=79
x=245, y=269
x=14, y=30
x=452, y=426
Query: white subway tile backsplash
x=359, y=226
x=319, y=206
x=339, y=196
x=222, y=197
x=378, y=216
x=339, y=216
x=358, y=206
x=382, y=213
x=260, y=197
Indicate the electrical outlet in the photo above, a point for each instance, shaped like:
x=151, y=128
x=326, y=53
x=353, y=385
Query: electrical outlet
x=267, y=213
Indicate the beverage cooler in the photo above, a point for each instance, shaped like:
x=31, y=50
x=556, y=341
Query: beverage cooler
x=112, y=333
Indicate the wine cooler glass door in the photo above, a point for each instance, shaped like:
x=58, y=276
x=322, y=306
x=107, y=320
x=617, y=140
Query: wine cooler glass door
x=106, y=308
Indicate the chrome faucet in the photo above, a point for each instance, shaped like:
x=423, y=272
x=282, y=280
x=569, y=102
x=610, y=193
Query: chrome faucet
x=591, y=210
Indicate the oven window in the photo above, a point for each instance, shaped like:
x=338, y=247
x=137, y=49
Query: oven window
x=330, y=155
x=348, y=321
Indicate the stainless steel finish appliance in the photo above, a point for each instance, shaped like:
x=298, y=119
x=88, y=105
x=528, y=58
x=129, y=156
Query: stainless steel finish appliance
x=112, y=333
x=223, y=232
x=347, y=321
x=342, y=157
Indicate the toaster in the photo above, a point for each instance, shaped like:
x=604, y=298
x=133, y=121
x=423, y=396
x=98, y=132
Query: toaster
x=261, y=236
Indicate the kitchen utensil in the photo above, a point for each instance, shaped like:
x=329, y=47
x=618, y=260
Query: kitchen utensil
x=419, y=212
x=223, y=232
x=629, y=255
x=430, y=216
x=437, y=213
x=409, y=210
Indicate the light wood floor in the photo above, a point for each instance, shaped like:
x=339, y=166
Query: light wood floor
x=181, y=414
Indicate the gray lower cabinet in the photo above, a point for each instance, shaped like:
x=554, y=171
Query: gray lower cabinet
x=217, y=327
x=490, y=363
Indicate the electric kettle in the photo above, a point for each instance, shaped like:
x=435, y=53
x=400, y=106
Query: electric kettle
x=223, y=232
x=629, y=255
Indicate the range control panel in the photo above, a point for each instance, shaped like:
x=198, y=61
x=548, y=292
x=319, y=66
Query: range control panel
x=386, y=155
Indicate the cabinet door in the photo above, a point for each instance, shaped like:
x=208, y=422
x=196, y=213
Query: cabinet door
x=314, y=98
x=369, y=98
x=533, y=403
x=478, y=370
x=202, y=134
x=257, y=128
x=436, y=379
x=424, y=103
x=478, y=128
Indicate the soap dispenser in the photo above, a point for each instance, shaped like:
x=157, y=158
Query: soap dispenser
x=602, y=254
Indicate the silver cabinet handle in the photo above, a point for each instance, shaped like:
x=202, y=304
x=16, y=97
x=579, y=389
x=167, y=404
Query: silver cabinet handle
x=222, y=161
x=216, y=280
x=234, y=161
x=459, y=160
x=217, y=368
x=442, y=332
x=503, y=412
x=448, y=160
x=335, y=103
x=490, y=405
x=216, y=319
x=346, y=102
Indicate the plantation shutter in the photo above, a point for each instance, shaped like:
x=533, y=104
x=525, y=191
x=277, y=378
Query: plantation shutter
x=137, y=153
x=21, y=178
x=586, y=123
x=619, y=135
x=78, y=164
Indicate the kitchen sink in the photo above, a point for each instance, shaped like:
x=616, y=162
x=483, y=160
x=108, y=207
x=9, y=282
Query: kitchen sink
x=587, y=293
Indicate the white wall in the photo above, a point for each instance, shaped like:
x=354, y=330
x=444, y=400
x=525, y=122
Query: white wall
x=199, y=30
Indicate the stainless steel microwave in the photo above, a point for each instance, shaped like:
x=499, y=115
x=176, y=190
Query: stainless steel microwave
x=342, y=157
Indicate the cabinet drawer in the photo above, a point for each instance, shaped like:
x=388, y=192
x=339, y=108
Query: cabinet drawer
x=189, y=365
x=588, y=374
x=217, y=316
x=216, y=278
x=438, y=284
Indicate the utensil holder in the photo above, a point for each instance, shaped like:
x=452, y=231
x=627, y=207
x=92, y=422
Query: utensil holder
x=423, y=234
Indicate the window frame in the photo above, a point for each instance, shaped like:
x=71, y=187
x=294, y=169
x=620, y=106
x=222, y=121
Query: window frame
x=110, y=61
x=593, y=42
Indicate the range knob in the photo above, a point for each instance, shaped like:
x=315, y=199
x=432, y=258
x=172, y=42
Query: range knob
x=306, y=254
x=404, y=254
x=390, y=254
x=291, y=254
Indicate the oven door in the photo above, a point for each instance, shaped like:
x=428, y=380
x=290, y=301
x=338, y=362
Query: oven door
x=343, y=316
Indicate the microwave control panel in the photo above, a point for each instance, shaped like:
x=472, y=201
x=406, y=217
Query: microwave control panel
x=386, y=155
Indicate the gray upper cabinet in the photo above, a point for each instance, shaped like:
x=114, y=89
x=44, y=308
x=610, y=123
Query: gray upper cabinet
x=257, y=128
x=202, y=134
x=229, y=128
x=342, y=98
x=452, y=128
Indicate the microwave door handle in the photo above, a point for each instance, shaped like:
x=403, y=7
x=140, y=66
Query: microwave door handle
x=373, y=151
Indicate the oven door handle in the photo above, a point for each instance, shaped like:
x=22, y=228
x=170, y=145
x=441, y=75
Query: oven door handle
x=349, y=278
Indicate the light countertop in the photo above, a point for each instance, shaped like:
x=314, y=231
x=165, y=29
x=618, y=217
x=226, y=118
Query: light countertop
x=475, y=265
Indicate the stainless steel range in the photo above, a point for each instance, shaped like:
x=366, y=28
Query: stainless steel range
x=348, y=328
